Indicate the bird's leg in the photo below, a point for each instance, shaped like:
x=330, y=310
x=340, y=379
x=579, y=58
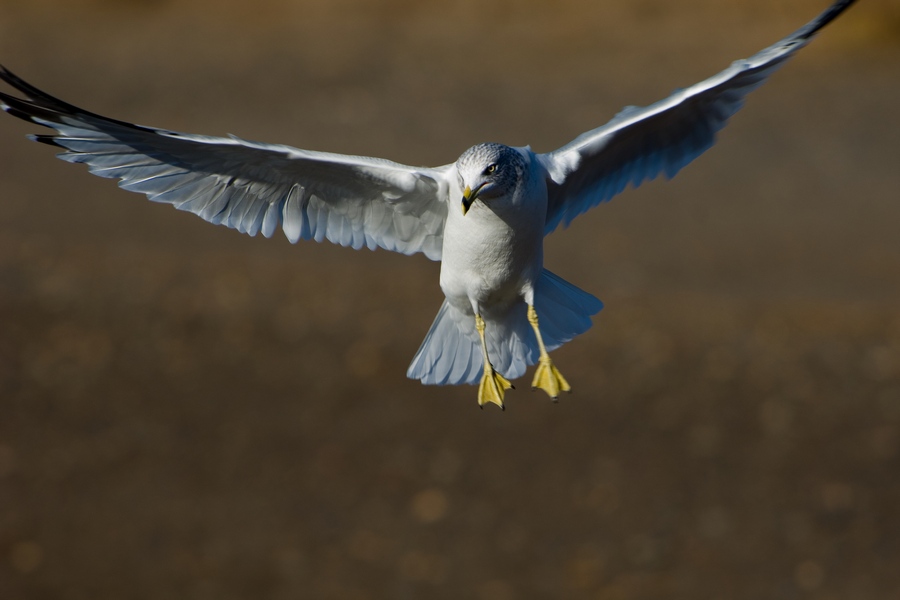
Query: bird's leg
x=493, y=385
x=547, y=377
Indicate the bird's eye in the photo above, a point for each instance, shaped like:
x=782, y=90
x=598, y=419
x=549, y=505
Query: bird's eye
x=491, y=169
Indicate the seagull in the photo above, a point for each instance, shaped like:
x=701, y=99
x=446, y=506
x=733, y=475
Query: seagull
x=483, y=217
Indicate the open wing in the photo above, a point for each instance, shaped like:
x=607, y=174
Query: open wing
x=252, y=187
x=640, y=143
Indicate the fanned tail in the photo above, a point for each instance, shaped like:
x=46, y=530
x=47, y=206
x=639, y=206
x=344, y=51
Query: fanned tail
x=563, y=309
x=449, y=354
x=451, y=351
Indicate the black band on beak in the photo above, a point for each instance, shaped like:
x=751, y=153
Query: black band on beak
x=469, y=196
x=467, y=203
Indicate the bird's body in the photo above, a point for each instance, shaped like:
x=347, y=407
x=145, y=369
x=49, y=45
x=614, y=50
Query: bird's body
x=484, y=216
x=493, y=254
x=492, y=269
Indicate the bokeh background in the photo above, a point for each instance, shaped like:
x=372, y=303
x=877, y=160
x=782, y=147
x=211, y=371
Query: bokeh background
x=186, y=412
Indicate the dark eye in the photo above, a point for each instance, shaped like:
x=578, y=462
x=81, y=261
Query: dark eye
x=490, y=170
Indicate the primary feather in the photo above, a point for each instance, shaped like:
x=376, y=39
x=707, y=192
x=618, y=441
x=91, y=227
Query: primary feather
x=249, y=186
x=491, y=255
x=641, y=143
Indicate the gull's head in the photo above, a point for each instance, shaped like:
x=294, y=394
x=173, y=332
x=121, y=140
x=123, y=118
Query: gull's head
x=487, y=172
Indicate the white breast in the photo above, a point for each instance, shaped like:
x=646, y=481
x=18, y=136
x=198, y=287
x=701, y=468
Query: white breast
x=494, y=251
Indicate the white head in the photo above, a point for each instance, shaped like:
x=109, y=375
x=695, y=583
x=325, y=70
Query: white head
x=488, y=171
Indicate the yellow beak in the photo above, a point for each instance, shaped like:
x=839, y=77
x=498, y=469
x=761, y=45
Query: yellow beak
x=467, y=199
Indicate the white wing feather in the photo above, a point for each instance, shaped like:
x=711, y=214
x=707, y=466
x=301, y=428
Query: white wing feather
x=640, y=143
x=252, y=187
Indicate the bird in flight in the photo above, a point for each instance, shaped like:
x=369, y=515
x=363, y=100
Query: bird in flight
x=484, y=217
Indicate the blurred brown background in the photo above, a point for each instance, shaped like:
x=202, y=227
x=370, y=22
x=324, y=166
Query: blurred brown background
x=186, y=412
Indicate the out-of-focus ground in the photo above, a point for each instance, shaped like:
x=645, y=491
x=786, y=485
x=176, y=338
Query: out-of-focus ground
x=186, y=412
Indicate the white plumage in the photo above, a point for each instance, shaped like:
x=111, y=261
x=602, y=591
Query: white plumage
x=491, y=247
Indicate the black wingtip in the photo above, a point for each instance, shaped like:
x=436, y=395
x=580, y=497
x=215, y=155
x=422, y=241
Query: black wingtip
x=14, y=107
x=31, y=92
x=26, y=110
x=830, y=14
x=38, y=103
x=50, y=140
x=13, y=80
x=17, y=113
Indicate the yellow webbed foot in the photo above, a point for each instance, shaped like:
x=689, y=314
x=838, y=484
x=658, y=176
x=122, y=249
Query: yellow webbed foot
x=548, y=378
x=492, y=387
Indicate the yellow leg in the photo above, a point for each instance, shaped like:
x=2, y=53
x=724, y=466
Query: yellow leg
x=547, y=377
x=493, y=385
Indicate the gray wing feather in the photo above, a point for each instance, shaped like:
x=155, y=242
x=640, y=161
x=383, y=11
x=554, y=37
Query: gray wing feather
x=640, y=143
x=249, y=186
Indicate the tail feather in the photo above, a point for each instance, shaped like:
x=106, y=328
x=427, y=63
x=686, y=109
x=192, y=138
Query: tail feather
x=451, y=351
x=465, y=362
x=564, y=311
x=510, y=341
x=448, y=355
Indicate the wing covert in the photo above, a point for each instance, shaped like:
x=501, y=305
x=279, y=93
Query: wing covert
x=640, y=143
x=249, y=186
